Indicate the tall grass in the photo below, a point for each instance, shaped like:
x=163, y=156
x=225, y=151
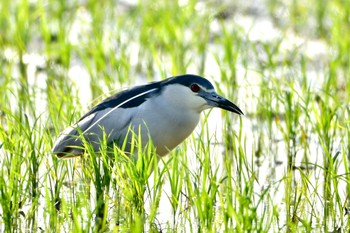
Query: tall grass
x=283, y=167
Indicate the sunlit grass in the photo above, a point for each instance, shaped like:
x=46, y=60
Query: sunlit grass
x=283, y=166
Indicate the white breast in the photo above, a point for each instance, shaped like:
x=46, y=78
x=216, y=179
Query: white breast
x=166, y=125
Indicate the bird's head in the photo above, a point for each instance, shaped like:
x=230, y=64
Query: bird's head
x=192, y=92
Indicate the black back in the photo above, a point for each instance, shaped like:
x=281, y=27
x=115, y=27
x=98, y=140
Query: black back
x=125, y=100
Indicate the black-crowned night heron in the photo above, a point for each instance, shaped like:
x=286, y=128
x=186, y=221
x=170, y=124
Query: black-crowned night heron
x=166, y=111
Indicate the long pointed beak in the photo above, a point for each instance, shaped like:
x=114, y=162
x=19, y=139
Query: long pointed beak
x=216, y=100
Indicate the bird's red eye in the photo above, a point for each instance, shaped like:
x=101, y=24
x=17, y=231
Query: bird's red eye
x=195, y=88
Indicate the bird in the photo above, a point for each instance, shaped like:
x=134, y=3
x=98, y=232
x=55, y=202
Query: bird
x=165, y=112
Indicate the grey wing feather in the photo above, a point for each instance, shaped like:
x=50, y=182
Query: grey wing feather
x=68, y=143
x=115, y=125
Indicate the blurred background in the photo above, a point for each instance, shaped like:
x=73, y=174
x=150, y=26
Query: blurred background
x=285, y=63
